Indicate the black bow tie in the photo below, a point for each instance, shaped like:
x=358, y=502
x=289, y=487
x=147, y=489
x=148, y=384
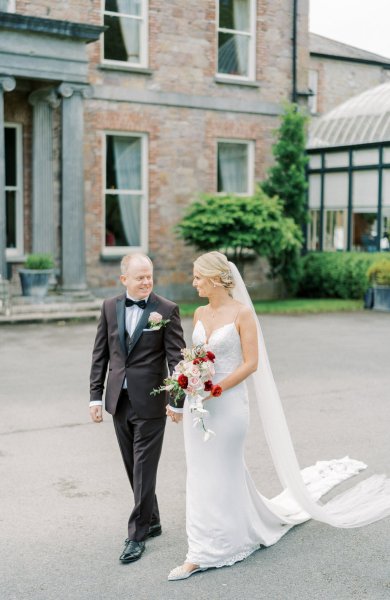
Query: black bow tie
x=140, y=303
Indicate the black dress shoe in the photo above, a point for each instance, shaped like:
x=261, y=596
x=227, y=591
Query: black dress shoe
x=132, y=551
x=154, y=530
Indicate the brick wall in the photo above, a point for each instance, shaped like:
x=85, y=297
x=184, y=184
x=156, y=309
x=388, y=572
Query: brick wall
x=80, y=11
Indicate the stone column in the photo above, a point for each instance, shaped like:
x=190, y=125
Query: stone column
x=7, y=84
x=43, y=223
x=73, y=245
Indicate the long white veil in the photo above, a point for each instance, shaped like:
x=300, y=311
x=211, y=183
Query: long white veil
x=365, y=503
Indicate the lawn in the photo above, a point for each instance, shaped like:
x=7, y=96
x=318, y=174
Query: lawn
x=291, y=306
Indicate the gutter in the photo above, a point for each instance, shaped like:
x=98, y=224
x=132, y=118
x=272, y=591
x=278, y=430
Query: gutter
x=294, y=95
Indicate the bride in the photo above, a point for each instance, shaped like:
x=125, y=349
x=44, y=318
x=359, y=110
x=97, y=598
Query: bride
x=227, y=518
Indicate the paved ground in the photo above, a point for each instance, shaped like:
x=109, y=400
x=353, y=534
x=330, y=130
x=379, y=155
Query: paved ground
x=65, y=499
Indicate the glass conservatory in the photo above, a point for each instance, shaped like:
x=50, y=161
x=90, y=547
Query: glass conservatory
x=349, y=175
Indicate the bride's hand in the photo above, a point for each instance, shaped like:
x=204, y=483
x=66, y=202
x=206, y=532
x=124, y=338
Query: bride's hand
x=215, y=393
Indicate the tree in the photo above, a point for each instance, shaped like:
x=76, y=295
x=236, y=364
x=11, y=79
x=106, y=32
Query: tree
x=236, y=224
x=287, y=177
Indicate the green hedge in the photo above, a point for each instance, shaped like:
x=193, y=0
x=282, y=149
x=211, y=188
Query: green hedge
x=337, y=274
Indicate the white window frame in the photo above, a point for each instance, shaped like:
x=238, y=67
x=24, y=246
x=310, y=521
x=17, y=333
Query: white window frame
x=313, y=87
x=144, y=233
x=252, y=45
x=251, y=165
x=12, y=253
x=327, y=210
x=144, y=38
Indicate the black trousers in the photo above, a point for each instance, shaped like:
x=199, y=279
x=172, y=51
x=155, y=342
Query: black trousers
x=140, y=442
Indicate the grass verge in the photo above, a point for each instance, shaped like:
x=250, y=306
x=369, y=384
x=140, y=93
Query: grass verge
x=291, y=306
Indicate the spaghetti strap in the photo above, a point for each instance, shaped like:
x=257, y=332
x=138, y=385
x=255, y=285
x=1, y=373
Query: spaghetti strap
x=202, y=309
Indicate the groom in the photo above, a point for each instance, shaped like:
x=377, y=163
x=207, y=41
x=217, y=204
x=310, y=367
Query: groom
x=138, y=335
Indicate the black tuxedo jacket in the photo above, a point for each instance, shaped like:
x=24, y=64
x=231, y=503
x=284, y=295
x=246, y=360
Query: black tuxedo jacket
x=143, y=361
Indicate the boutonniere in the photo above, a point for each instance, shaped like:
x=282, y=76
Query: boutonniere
x=156, y=321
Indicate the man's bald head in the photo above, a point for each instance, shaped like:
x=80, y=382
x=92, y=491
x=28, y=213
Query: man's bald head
x=131, y=259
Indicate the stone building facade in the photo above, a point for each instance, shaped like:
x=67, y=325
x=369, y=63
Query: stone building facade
x=337, y=72
x=119, y=113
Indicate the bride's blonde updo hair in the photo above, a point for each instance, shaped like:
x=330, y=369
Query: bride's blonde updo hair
x=215, y=266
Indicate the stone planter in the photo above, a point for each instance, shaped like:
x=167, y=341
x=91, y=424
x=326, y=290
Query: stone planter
x=35, y=283
x=381, y=297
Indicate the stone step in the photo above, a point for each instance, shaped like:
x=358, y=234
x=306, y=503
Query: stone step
x=45, y=316
x=27, y=307
x=24, y=310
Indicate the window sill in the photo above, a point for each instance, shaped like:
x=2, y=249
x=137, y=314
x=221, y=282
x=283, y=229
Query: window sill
x=238, y=81
x=115, y=254
x=105, y=257
x=15, y=258
x=126, y=68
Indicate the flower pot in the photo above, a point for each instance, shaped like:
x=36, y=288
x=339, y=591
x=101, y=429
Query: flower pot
x=382, y=297
x=35, y=283
x=369, y=298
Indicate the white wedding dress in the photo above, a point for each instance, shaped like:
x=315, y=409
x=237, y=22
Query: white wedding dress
x=227, y=518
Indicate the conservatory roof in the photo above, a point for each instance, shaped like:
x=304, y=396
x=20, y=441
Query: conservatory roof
x=362, y=119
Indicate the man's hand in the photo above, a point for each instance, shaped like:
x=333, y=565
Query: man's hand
x=96, y=413
x=174, y=416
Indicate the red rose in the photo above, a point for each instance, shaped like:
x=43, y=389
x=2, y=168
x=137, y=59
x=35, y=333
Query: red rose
x=208, y=385
x=196, y=361
x=210, y=356
x=216, y=390
x=182, y=380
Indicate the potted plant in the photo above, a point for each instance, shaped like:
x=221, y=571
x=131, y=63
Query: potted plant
x=35, y=275
x=379, y=275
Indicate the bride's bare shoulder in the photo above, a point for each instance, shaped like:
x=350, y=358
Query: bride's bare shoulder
x=197, y=314
x=242, y=309
x=244, y=314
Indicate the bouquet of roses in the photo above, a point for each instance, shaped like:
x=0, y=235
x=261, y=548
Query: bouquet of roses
x=193, y=376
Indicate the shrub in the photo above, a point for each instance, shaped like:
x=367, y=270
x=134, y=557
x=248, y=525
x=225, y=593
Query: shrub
x=238, y=224
x=39, y=262
x=287, y=177
x=379, y=272
x=337, y=274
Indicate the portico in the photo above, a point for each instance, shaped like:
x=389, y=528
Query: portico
x=46, y=61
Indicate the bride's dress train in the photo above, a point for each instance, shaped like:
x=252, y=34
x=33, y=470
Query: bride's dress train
x=227, y=518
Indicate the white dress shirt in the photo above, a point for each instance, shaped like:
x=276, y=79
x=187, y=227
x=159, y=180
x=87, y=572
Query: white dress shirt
x=133, y=315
